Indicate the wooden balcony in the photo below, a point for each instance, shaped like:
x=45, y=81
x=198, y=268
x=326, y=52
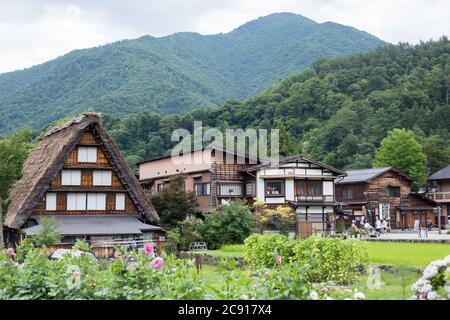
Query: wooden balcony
x=439, y=196
x=308, y=198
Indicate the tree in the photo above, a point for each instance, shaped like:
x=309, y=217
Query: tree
x=13, y=153
x=437, y=150
x=400, y=149
x=226, y=224
x=49, y=233
x=173, y=203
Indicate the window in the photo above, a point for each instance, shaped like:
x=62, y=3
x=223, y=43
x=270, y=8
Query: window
x=202, y=188
x=71, y=177
x=394, y=191
x=76, y=201
x=308, y=188
x=87, y=154
x=250, y=189
x=160, y=186
x=96, y=201
x=102, y=178
x=314, y=188
x=120, y=201
x=50, y=202
x=274, y=188
x=347, y=193
x=230, y=190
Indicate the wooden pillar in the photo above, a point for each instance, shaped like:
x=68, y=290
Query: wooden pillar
x=1, y=223
x=439, y=219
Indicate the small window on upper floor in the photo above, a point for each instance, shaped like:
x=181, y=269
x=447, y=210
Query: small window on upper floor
x=71, y=177
x=347, y=193
x=274, y=188
x=394, y=191
x=87, y=154
x=102, y=178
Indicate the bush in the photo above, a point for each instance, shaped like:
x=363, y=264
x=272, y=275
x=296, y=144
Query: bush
x=227, y=224
x=186, y=232
x=260, y=250
x=330, y=259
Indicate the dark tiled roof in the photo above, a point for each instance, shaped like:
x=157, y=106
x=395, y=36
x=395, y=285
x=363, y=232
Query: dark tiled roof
x=294, y=158
x=366, y=175
x=96, y=225
x=442, y=174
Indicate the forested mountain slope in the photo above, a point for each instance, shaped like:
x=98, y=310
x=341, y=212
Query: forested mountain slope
x=337, y=111
x=172, y=74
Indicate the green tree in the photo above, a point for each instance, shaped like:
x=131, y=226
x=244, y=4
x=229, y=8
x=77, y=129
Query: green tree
x=437, y=150
x=13, y=153
x=226, y=224
x=173, y=203
x=49, y=233
x=401, y=150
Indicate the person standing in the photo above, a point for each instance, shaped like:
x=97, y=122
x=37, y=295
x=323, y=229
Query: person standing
x=378, y=226
x=429, y=224
x=384, y=226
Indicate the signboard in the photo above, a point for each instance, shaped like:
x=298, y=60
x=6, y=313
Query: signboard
x=384, y=211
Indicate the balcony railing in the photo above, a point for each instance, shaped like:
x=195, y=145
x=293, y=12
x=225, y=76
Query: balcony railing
x=439, y=196
x=308, y=198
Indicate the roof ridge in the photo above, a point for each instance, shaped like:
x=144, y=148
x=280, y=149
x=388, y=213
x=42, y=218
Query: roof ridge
x=85, y=117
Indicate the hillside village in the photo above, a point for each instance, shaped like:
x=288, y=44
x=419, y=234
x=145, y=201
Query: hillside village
x=96, y=205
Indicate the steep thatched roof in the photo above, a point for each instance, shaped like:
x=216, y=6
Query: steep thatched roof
x=47, y=159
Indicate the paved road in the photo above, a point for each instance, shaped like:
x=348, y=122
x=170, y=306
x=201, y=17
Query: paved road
x=433, y=236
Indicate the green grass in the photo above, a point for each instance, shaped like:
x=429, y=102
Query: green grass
x=402, y=254
x=405, y=257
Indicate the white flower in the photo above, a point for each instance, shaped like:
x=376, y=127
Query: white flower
x=432, y=295
x=447, y=260
x=426, y=288
x=328, y=298
x=419, y=284
x=314, y=295
x=412, y=298
x=439, y=263
x=359, y=296
x=430, y=272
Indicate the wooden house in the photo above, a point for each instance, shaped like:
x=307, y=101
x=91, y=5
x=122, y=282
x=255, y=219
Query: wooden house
x=296, y=181
x=383, y=193
x=215, y=175
x=305, y=185
x=442, y=194
x=77, y=175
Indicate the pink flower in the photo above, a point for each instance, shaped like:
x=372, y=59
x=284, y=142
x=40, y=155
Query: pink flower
x=254, y=286
x=116, y=254
x=148, y=249
x=10, y=252
x=76, y=274
x=157, y=263
x=278, y=259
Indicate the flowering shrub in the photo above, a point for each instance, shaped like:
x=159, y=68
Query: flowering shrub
x=331, y=259
x=435, y=281
x=260, y=249
x=129, y=276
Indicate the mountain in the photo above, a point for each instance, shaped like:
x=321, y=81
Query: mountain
x=172, y=74
x=337, y=111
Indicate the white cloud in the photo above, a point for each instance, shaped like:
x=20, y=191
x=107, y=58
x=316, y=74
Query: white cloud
x=32, y=32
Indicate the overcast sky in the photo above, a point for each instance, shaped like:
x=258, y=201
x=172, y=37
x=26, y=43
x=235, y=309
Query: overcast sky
x=35, y=31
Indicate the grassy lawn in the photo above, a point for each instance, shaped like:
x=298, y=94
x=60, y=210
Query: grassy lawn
x=417, y=255
x=405, y=257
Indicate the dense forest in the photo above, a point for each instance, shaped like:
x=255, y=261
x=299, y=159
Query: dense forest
x=172, y=74
x=337, y=111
